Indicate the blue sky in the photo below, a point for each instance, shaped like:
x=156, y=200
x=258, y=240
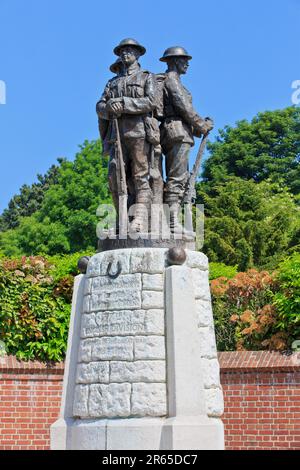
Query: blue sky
x=55, y=56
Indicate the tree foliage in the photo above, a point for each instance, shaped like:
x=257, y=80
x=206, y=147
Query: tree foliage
x=249, y=224
x=29, y=200
x=66, y=220
x=268, y=147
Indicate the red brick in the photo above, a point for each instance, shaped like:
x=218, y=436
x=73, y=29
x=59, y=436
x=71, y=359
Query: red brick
x=261, y=391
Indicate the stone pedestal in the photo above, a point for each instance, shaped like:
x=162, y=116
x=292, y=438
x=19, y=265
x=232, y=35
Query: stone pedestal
x=141, y=368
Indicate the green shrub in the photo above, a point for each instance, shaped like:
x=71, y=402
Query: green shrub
x=287, y=300
x=221, y=270
x=35, y=305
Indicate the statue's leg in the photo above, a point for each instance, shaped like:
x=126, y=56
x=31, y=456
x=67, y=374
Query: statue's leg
x=177, y=159
x=139, y=152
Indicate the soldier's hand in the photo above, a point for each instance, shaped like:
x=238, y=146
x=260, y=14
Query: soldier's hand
x=209, y=124
x=114, y=106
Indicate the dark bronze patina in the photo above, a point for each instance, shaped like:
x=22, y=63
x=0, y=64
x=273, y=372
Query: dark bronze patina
x=142, y=116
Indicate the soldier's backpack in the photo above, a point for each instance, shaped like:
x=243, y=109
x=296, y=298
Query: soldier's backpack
x=159, y=95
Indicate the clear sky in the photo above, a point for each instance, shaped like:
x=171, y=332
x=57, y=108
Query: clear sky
x=55, y=56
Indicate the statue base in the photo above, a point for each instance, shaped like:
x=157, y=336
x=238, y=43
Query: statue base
x=141, y=370
x=145, y=240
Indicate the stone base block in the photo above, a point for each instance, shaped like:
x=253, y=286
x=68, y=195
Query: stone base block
x=77, y=434
x=180, y=433
x=135, y=434
x=188, y=433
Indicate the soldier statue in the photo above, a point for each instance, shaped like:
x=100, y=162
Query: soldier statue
x=127, y=100
x=180, y=123
x=140, y=117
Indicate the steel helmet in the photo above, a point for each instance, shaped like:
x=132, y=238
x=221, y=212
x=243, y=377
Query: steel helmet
x=129, y=42
x=174, y=51
x=115, y=67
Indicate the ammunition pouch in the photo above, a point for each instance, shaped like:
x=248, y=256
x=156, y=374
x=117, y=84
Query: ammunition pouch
x=172, y=130
x=152, y=130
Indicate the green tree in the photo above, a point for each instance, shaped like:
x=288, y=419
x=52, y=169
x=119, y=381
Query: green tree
x=268, y=147
x=66, y=221
x=29, y=200
x=249, y=224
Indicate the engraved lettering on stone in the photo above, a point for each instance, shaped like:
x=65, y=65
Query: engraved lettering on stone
x=94, y=372
x=106, y=348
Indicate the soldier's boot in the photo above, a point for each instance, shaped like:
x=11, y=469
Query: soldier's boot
x=175, y=225
x=140, y=222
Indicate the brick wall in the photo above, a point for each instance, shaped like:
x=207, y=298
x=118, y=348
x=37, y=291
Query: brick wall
x=261, y=391
x=30, y=394
x=262, y=400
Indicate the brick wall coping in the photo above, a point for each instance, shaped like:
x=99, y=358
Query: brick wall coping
x=231, y=361
x=252, y=361
x=10, y=364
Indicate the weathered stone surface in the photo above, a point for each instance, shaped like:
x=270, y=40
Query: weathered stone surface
x=155, y=322
x=207, y=342
x=123, y=322
x=109, y=401
x=138, y=371
x=113, y=257
x=214, y=402
x=149, y=399
x=196, y=259
x=93, y=372
x=93, y=268
x=211, y=373
x=106, y=348
x=148, y=260
x=81, y=397
x=153, y=282
x=126, y=281
x=86, y=304
x=204, y=312
x=201, y=284
x=152, y=299
x=149, y=347
x=116, y=300
x=87, y=286
x=98, y=264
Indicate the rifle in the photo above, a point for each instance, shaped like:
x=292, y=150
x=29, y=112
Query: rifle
x=121, y=183
x=189, y=193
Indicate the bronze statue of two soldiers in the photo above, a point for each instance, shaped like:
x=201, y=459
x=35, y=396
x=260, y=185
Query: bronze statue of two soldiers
x=142, y=116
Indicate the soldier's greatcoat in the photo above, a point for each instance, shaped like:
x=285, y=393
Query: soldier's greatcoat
x=179, y=126
x=136, y=88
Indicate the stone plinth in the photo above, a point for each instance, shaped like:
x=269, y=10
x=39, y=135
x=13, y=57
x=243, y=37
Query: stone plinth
x=141, y=368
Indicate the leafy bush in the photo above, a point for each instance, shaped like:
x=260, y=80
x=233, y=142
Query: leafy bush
x=35, y=305
x=245, y=316
x=221, y=270
x=287, y=300
x=258, y=310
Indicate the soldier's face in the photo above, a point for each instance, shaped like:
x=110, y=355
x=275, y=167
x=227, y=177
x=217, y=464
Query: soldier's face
x=129, y=55
x=182, y=65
